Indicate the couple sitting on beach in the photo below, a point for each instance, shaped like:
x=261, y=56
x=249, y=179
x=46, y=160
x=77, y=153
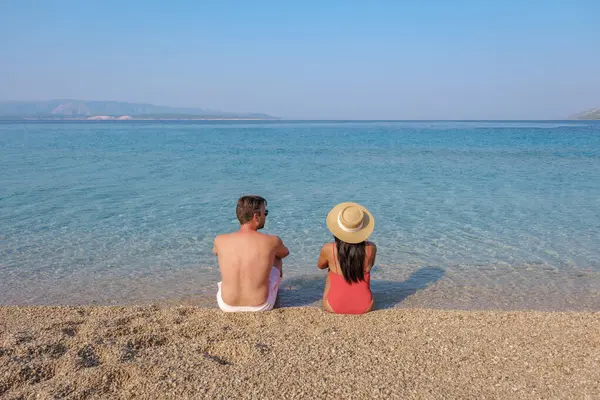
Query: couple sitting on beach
x=251, y=262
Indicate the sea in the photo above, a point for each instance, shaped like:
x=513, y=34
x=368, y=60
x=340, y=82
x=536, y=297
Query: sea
x=468, y=214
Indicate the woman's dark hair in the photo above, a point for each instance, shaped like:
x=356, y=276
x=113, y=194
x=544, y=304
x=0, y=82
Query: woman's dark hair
x=351, y=258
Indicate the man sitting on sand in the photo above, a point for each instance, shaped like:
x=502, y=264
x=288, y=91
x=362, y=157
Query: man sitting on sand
x=249, y=261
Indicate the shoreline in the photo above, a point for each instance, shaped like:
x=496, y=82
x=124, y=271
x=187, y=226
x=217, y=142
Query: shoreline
x=302, y=352
x=494, y=287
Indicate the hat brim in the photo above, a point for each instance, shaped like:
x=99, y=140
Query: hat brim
x=350, y=237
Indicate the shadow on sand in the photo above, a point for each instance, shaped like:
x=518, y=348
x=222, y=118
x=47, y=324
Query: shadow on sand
x=388, y=294
x=308, y=290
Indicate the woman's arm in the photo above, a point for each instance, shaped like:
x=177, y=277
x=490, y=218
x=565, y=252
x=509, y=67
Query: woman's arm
x=323, y=261
x=373, y=253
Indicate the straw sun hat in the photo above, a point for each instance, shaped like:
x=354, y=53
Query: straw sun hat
x=350, y=222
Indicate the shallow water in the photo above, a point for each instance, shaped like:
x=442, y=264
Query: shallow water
x=468, y=214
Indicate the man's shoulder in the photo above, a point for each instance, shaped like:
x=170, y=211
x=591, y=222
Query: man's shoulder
x=273, y=238
x=221, y=236
x=264, y=237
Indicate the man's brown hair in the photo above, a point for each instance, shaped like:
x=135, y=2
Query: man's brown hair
x=247, y=206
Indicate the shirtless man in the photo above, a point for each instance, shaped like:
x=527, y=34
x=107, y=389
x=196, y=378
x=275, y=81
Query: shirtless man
x=250, y=262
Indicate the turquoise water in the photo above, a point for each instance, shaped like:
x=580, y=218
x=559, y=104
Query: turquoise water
x=468, y=214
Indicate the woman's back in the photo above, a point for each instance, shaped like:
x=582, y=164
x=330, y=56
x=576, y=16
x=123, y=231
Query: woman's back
x=349, y=259
x=348, y=291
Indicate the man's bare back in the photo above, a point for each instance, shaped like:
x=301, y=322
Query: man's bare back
x=246, y=258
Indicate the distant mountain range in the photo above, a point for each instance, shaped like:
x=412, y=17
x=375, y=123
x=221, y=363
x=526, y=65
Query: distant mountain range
x=80, y=109
x=590, y=114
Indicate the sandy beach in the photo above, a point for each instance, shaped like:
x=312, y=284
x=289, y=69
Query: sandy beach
x=188, y=352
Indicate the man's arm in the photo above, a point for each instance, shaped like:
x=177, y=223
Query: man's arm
x=323, y=262
x=281, y=251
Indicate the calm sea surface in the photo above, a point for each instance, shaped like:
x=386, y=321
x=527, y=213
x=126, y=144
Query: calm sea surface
x=468, y=214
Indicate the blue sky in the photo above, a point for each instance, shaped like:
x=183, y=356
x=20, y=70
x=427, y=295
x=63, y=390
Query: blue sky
x=310, y=59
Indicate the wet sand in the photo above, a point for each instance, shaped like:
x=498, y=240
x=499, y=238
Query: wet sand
x=187, y=352
x=537, y=287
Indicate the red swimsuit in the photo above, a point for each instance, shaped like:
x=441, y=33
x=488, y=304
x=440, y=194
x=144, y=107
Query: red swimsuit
x=348, y=298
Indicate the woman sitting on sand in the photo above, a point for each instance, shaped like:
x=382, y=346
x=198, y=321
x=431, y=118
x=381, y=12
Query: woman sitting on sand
x=350, y=259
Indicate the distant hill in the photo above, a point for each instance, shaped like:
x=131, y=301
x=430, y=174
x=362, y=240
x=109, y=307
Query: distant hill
x=590, y=114
x=80, y=109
